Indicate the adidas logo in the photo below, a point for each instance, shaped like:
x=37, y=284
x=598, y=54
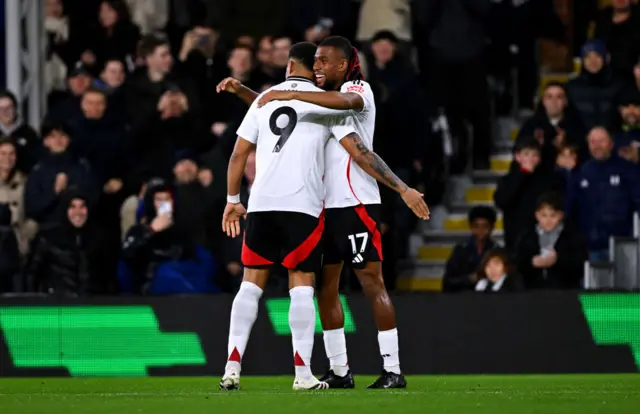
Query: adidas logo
x=358, y=259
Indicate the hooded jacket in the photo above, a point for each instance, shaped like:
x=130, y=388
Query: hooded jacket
x=68, y=260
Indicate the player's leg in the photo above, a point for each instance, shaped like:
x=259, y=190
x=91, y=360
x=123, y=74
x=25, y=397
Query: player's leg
x=256, y=256
x=304, y=234
x=329, y=305
x=332, y=317
x=368, y=269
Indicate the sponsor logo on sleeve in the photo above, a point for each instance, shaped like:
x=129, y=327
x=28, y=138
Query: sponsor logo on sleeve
x=356, y=88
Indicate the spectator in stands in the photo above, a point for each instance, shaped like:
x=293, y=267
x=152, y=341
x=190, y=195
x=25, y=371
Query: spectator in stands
x=9, y=252
x=191, y=193
x=451, y=42
x=150, y=15
x=554, y=125
x=593, y=92
x=280, y=57
x=496, y=274
x=114, y=37
x=461, y=269
x=112, y=76
x=68, y=107
x=159, y=255
x=162, y=111
x=402, y=121
x=227, y=109
x=627, y=149
x=619, y=26
x=551, y=255
x=264, y=57
x=315, y=21
x=58, y=170
x=604, y=193
x=70, y=258
x=24, y=137
x=59, y=50
x=518, y=191
x=12, y=185
x=629, y=114
x=566, y=162
x=391, y=15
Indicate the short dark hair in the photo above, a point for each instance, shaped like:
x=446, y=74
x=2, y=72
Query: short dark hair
x=354, y=70
x=554, y=84
x=48, y=127
x=93, y=89
x=7, y=141
x=483, y=212
x=551, y=200
x=527, y=143
x=303, y=52
x=149, y=43
x=241, y=47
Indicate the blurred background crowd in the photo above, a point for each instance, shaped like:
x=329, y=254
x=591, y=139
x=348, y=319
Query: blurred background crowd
x=134, y=122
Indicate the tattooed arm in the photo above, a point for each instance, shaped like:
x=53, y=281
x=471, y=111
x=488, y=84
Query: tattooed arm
x=371, y=163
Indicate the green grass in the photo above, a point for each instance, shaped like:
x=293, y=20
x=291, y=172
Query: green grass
x=545, y=394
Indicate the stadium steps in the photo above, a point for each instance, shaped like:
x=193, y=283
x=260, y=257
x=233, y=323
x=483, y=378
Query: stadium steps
x=430, y=254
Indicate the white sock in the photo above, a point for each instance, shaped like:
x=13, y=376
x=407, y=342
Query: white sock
x=388, y=341
x=335, y=345
x=243, y=314
x=302, y=320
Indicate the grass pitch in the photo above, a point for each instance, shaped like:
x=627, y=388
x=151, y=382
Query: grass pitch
x=544, y=394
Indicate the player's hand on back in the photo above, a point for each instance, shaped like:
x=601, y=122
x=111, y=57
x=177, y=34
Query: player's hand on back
x=275, y=96
x=230, y=85
x=231, y=218
x=415, y=201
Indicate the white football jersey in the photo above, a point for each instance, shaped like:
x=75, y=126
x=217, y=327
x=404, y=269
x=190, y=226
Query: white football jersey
x=346, y=183
x=290, y=138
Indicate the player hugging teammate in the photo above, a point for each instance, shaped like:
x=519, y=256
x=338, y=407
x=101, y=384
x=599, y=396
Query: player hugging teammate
x=291, y=205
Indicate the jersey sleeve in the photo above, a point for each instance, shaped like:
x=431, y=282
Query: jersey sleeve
x=342, y=126
x=363, y=89
x=248, y=129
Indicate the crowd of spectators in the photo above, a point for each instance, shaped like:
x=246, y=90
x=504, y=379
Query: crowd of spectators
x=121, y=189
x=575, y=179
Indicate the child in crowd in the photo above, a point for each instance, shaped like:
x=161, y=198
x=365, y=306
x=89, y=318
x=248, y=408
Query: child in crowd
x=551, y=255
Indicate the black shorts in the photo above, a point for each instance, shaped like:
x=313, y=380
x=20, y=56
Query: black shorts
x=352, y=234
x=292, y=239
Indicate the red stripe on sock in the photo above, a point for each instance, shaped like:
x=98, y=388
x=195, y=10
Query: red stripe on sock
x=297, y=361
x=235, y=355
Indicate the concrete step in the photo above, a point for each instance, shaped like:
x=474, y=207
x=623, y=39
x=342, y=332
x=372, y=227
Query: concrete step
x=545, y=79
x=422, y=277
x=459, y=222
x=435, y=253
x=464, y=208
x=480, y=194
x=486, y=177
x=500, y=163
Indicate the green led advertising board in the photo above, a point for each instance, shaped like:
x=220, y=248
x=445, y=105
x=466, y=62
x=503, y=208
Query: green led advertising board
x=95, y=340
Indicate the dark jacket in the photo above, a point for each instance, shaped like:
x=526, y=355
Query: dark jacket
x=517, y=194
x=120, y=43
x=103, y=143
x=9, y=252
x=623, y=39
x=456, y=29
x=604, y=195
x=40, y=200
x=464, y=261
x=539, y=127
x=28, y=145
x=593, y=96
x=569, y=267
x=70, y=261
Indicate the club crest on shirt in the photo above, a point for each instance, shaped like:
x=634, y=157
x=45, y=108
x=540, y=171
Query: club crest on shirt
x=355, y=88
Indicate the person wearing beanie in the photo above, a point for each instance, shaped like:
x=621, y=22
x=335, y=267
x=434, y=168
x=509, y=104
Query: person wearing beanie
x=460, y=274
x=594, y=91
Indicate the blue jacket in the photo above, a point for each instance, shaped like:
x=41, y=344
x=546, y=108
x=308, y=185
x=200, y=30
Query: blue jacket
x=604, y=195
